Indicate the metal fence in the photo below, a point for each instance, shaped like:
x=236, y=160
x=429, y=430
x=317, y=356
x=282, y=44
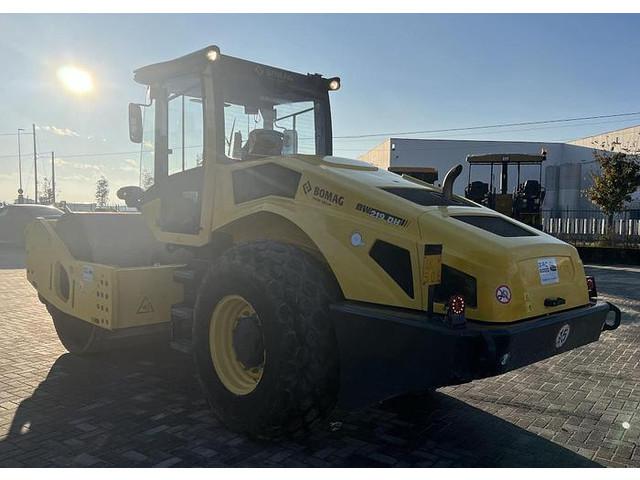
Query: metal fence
x=589, y=226
x=91, y=207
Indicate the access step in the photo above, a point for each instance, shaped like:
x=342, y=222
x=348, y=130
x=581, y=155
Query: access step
x=184, y=275
x=181, y=324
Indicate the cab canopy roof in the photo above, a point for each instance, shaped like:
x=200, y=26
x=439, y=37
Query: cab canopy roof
x=515, y=158
x=238, y=76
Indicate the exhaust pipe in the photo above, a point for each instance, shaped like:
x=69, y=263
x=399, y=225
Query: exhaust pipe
x=449, y=179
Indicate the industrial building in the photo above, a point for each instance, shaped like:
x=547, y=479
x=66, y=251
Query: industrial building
x=565, y=174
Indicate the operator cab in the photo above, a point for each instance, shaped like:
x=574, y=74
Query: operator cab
x=207, y=109
x=525, y=203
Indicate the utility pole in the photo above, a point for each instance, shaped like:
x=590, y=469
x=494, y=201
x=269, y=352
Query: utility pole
x=53, y=177
x=35, y=162
x=183, y=133
x=20, y=190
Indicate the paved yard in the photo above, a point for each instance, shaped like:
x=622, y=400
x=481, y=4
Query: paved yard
x=144, y=408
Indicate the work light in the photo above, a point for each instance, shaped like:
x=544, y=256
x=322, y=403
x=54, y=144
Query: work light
x=334, y=83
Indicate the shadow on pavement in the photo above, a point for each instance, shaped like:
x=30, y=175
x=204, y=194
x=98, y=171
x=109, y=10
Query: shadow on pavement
x=456, y=427
x=145, y=408
x=11, y=257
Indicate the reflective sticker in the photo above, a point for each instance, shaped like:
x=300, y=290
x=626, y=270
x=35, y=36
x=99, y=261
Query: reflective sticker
x=356, y=239
x=548, y=270
x=432, y=264
x=562, y=336
x=87, y=273
x=503, y=294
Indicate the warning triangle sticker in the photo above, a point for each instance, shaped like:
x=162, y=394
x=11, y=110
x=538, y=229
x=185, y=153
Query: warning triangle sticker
x=145, y=306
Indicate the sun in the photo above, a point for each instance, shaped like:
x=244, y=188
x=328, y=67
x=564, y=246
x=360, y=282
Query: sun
x=75, y=79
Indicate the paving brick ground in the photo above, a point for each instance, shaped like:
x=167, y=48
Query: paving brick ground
x=145, y=408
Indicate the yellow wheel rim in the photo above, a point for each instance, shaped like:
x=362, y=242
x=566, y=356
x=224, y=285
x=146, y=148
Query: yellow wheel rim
x=234, y=375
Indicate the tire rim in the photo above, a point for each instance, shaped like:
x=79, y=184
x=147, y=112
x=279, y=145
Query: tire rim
x=238, y=377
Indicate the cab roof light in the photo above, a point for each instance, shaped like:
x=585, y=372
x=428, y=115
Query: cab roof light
x=334, y=83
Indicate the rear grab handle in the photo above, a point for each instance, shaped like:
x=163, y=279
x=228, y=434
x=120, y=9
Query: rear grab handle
x=616, y=320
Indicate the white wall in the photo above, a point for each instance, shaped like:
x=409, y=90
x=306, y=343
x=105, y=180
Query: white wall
x=445, y=154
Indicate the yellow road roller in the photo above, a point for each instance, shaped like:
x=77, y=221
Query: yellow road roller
x=299, y=280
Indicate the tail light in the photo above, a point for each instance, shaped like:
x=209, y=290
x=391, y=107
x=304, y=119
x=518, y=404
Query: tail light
x=455, y=310
x=591, y=287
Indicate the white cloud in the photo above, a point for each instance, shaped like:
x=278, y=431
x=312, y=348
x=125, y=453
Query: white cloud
x=130, y=166
x=63, y=132
x=81, y=179
x=61, y=162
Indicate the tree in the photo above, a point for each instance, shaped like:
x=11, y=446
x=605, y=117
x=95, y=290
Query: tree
x=47, y=196
x=102, y=192
x=612, y=187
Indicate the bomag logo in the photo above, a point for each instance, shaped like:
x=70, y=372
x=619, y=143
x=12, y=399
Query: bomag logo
x=382, y=216
x=322, y=195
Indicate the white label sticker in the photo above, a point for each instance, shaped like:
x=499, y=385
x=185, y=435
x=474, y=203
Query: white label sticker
x=548, y=270
x=87, y=273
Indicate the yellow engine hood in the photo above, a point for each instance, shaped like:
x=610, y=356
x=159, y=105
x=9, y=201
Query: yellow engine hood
x=533, y=268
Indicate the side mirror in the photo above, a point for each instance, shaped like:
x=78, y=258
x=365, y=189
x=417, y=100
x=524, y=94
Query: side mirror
x=135, y=123
x=290, y=142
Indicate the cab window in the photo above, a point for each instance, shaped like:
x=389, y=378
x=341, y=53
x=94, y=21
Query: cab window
x=185, y=133
x=282, y=129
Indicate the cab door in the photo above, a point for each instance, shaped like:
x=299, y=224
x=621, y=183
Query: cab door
x=179, y=156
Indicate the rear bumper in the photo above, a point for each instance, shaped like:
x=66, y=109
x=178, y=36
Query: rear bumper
x=387, y=351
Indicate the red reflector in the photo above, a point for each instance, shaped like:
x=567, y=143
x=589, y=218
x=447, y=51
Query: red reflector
x=456, y=304
x=591, y=286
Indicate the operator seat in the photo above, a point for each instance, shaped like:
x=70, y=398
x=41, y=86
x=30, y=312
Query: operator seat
x=477, y=192
x=262, y=143
x=532, y=188
x=529, y=197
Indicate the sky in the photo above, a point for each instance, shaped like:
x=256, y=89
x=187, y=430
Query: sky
x=399, y=73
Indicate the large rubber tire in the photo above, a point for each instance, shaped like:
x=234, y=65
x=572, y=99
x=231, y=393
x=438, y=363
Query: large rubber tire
x=291, y=293
x=77, y=336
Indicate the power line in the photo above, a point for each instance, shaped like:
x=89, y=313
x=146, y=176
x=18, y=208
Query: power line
x=371, y=135
x=15, y=134
x=381, y=147
x=480, y=127
x=85, y=154
x=450, y=135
